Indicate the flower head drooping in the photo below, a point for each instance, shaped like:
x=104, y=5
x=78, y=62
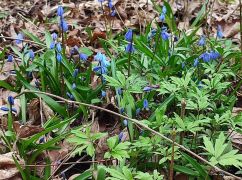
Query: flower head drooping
x=54, y=36
x=83, y=57
x=31, y=54
x=164, y=34
x=103, y=93
x=73, y=86
x=113, y=13
x=125, y=122
x=162, y=17
x=75, y=73
x=60, y=11
x=120, y=136
x=59, y=57
x=214, y=55
x=147, y=89
x=63, y=25
x=202, y=41
x=10, y=58
x=11, y=100
x=129, y=35
x=205, y=57
x=130, y=48
x=119, y=91
x=101, y=1
x=196, y=62
x=71, y=97
x=19, y=38
x=219, y=32
x=58, y=47
x=52, y=45
x=146, y=104
x=151, y=34
x=164, y=10
x=110, y=4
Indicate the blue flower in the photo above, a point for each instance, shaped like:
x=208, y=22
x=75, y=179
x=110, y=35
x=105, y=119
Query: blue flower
x=162, y=17
x=74, y=50
x=125, y=122
x=11, y=100
x=19, y=38
x=73, y=86
x=75, y=73
x=130, y=48
x=176, y=38
x=100, y=69
x=101, y=1
x=129, y=35
x=113, y=13
x=202, y=41
x=183, y=65
x=103, y=93
x=219, y=32
x=102, y=59
x=54, y=36
x=110, y=4
x=119, y=91
x=205, y=57
x=121, y=110
x=71, y=97
x=120, y=136
x=137, y=112
x=31, y=54
x=196, y=61
x=164, y=10
x=63, y=25
x=60, y=11
x=152, y=34
x=83, y=57
x=52, y=45
x=147, y=89
x=165, y=36
x=10, y=58
x=58, y=47
x=214, y=55
x=3, y=108
x=59, y=57
x=145, y=104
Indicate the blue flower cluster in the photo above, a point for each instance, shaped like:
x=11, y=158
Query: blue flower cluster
x=102, y=63
x=207, y=57
x=63, y=24
x=163, y=14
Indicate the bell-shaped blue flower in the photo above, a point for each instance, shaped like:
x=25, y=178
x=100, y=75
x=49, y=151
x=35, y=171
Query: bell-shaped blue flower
x=63, y=25
x=52, y=45
x=58, y=47
x=202, y=41
x=75, y=73
x=195, y=63
x=19, y=38
x=11, y=100
x=83, y=57
x=125, y=122
x=10, y=58
x=165, y=35
x=164, y=10
x=130, y=48
x=219, y=32
x=73, y=86
x=147, y=89
x=60, y=11
x=54, y=36
x=31, y=54
x=59, y=57
x=162, y=17
x=146, y=104
x=205, y=57
x=129, y=35
x=103, y=93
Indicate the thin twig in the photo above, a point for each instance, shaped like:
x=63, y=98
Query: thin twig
x=137, y=122
x=25, y=40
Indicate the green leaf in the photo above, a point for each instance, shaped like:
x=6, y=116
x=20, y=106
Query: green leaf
x=86, y=175
x=101, y=173
x=208, y=145
x=185, y=170
x=196, y=166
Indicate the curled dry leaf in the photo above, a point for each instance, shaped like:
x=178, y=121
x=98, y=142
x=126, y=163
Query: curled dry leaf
x=24, y=131
x=8, y=169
